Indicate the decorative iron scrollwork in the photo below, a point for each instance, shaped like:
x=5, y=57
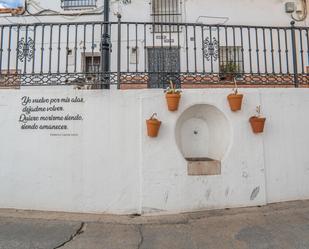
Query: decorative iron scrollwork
x=25, y=49
x=211, y=49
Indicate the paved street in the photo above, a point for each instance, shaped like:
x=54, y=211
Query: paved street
x=278, y=226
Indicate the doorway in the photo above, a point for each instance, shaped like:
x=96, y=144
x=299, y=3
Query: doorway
x=163, y=66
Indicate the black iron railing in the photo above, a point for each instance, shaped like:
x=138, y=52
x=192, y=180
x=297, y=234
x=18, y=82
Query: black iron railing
x=142, y=53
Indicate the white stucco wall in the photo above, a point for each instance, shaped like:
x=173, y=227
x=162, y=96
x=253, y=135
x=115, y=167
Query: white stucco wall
x=285, y=145
x=246, y=12
x=108, y=164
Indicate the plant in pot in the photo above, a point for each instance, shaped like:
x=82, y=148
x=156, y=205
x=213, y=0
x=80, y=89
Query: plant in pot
x=235, y=99
x=172, y=95
x=153, y=126
x=228, y=71
x=257, y=122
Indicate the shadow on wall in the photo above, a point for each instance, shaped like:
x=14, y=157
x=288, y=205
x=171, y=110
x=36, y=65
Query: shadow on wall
x=203, y=136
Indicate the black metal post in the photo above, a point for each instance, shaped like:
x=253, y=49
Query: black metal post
x=105, y=49
x=119, y=53
x=294, y=52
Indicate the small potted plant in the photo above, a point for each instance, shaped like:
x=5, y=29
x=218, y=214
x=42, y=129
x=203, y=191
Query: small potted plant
x=257, y=122
x=172, y=96
x=228, y=71
x=153, y=126
x=235, y=99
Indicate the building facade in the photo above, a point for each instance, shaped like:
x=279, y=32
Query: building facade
x=66, y=149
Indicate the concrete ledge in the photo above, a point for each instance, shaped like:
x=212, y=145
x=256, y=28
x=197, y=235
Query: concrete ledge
x=203, y=166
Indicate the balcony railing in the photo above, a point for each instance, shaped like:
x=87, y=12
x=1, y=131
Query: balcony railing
x=70, y=54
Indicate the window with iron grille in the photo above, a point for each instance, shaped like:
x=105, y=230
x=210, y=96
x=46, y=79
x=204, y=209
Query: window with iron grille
x=78, y=4
x=92, y=64
x=166, y=11
x=231, y=60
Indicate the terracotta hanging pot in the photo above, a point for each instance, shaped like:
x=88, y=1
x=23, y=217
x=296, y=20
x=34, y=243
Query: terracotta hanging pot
x=153, y=126
x=235, y=101
x=173, y=100
x=257, y=124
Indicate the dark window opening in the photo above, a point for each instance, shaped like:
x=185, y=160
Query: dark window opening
x=92, y=64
